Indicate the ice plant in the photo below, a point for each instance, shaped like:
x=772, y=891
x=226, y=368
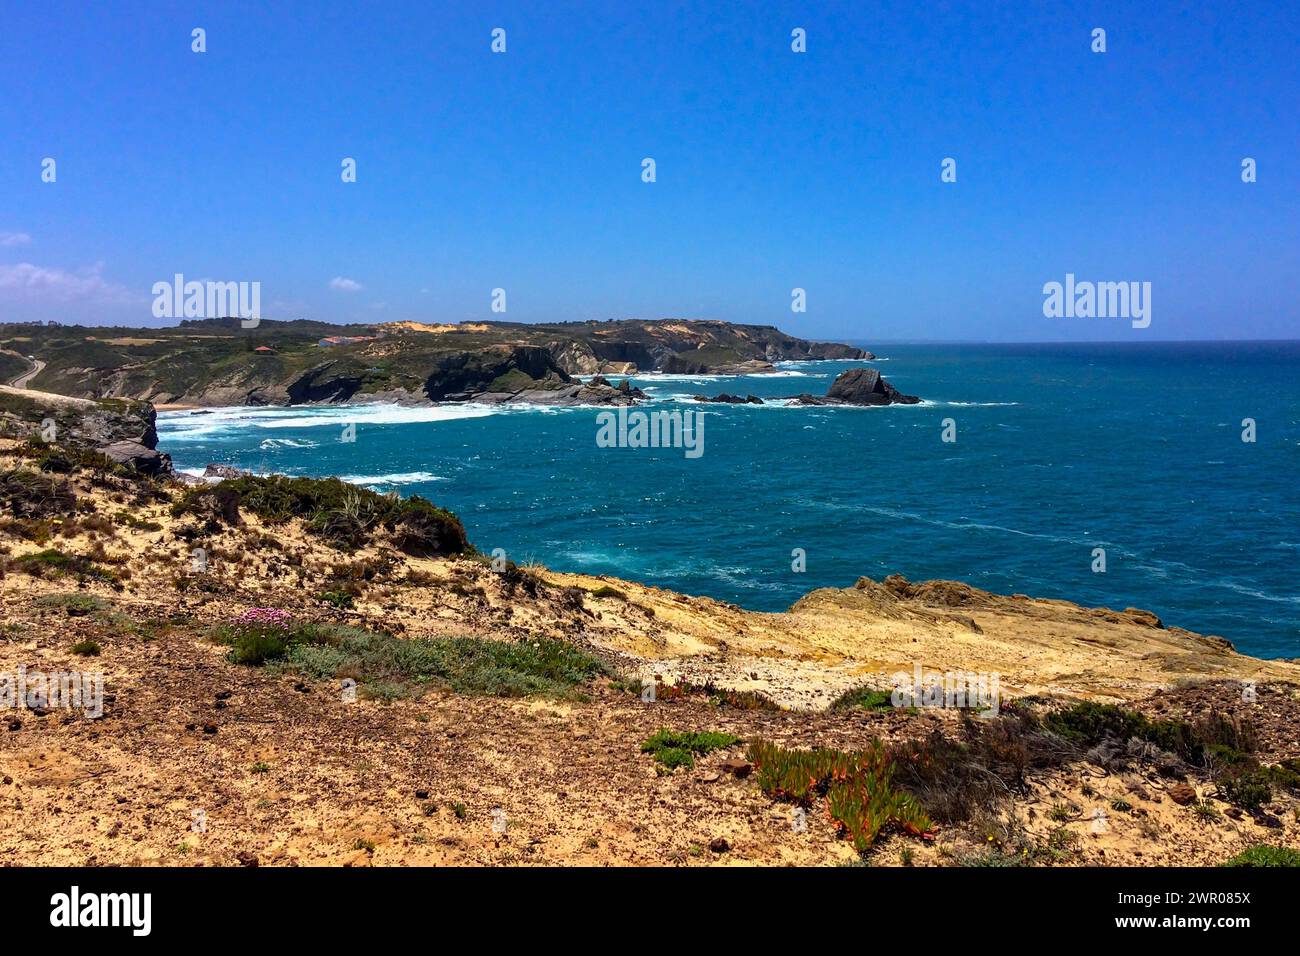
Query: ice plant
x=858, y=785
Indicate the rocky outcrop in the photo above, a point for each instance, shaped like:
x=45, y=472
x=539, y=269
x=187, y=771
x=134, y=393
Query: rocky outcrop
x=324, y=383
x=575, y=358
x=224, y=471
x=124, y=430
x=858, y=386
x=688, y=347
x=138, y=457
x=612, y=358
x=462, y=376
x=631, y=356
x=218, y=363
x=625, y=386
x=519, y=373
x=687, y=364
x=725, y=399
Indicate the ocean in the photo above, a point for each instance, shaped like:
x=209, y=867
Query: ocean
x=1059, y=450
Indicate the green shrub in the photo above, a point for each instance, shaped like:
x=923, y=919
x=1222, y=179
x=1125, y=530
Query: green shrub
x=53, y=564
x=75, y=605
x=341, y=513
x=258, y=647
x=679, y=748
x=387, y=666
x=957, y=778
x=1089, y=723
x=1265, y=855
x=86, y=648
x=1285, y=775
x=339, y=599
x=1061, y=813
x=1208, y=812
x=66, y=459
x=865, y=698
x=1249, y=790
x=214, y=505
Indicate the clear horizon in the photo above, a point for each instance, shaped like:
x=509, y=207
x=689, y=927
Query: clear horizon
x=775, y=170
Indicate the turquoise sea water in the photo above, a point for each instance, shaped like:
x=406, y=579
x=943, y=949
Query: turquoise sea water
x=1060, y=449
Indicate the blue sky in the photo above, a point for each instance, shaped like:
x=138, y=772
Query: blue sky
x=775, y=170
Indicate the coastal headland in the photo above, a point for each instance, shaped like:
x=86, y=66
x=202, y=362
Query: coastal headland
x=298, y=671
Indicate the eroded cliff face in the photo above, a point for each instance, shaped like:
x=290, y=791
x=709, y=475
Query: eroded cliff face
x=516, y=374
x=122, y=429
x=219, y=363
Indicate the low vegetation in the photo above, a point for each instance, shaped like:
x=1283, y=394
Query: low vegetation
x=72, y=604
x=718, y=696
x=389, y=667
x=1219, y=745
x=858, y=787
x=679, y=748
x=28, y=494
x=865, y=698
x=53, y=564
x=343, y=514
x=1265, y=855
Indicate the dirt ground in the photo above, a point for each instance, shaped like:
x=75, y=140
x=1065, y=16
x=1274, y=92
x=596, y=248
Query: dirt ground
x=199, y=761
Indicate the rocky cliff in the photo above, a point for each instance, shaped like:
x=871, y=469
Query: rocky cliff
x=123, y=430
x=217, y=362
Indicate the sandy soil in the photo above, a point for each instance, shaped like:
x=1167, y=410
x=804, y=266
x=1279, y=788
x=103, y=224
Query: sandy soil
x=199, y=761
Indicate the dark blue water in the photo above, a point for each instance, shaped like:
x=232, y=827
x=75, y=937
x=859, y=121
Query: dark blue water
x=1060, y=449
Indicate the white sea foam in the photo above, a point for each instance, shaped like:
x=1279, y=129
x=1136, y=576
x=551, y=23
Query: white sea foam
x=377, y=415
x=653, y=377
x=288, y=443
x=935, y=403
x=398, y=478
x=186, y=426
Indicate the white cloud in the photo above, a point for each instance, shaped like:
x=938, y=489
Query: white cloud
x=341, y=284
x=38, y=283
x=14, y=239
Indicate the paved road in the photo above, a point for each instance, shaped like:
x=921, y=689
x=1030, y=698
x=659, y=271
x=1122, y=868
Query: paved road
x=22, y=380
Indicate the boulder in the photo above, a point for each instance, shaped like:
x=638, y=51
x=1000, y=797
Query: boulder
x=737, y=766
x=726, y=399
x=1181, y=793
x=224, y=471
x=138, y=457
x=858, y=386
x=865, y=386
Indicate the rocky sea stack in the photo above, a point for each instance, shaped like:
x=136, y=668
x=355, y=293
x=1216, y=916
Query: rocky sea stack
x=857, y=386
